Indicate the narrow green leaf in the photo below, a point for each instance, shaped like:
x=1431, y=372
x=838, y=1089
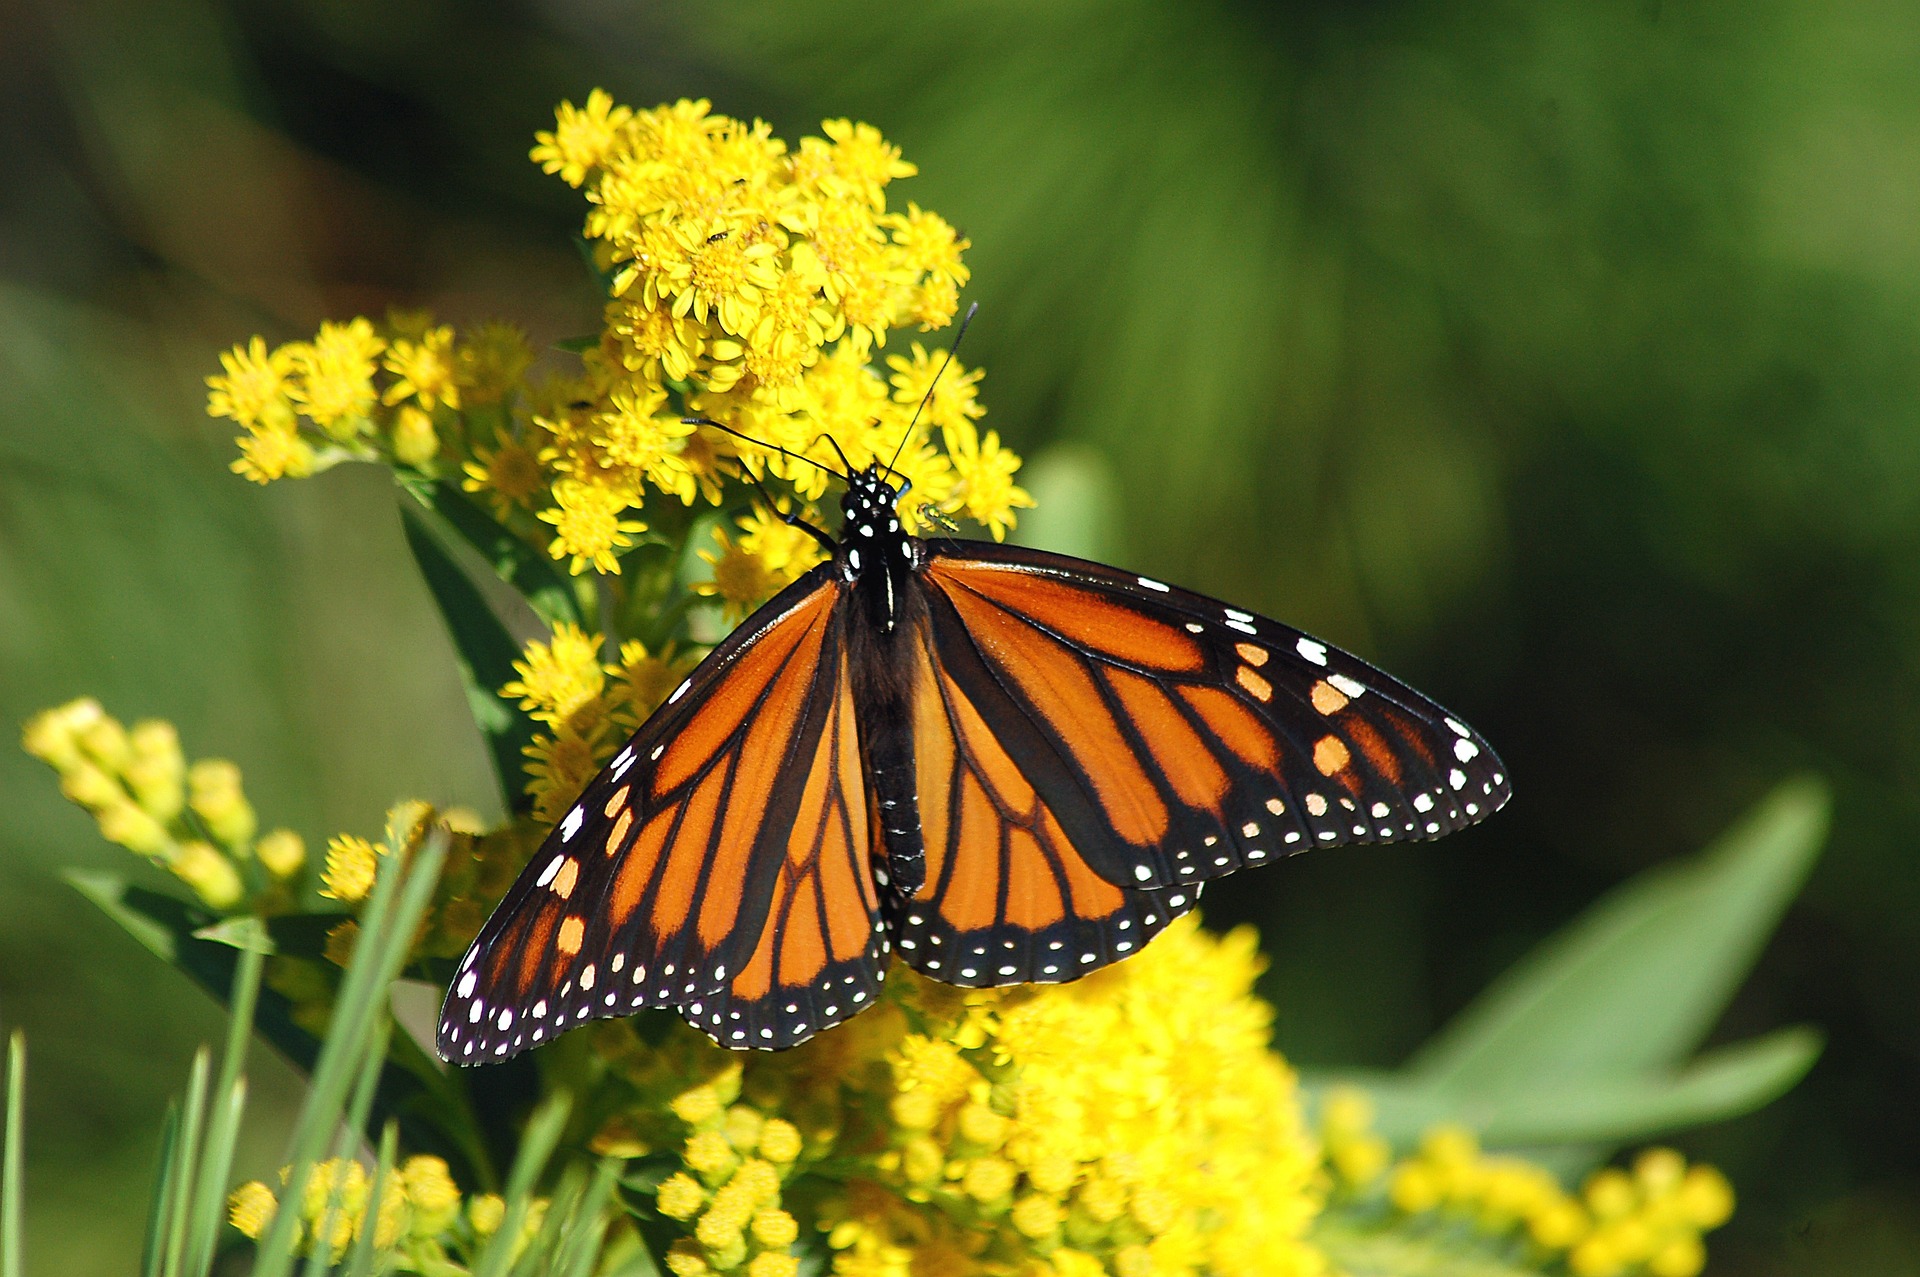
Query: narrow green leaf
x=361, y=1260
x=541, y=585
x=580, y=1244
x=487, y=649
x=12, y=1189
x=166, y=1188
x=1635, y=983
x=193, y=1116
x=1719, y=1084
x=536, y=1146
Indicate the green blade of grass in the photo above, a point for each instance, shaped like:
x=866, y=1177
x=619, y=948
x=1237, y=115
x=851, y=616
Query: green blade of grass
x=399, y=899
x=154, y=1248
x=193, y=1116
x=360, y=1261
x=208, y=1199
x=11, y=1188
x=580, y=1246
x=536, y=1146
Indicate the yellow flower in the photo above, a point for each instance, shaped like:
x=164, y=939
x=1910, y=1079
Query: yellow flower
x=953, y=392
x=588, y=526
x=213, y=785
x=423, y=370
x=250, y=1208
x=273, y=452
x=415, y=441
x=643, y=679
x=352, y=864
x=336, y=376
x=986, y=490
x=559, y=767
x=681, y=1197
x=560, y=678
x=491, y=362
x=742, y=581
x=508, y=473
x=581, y=137
x=254, y=389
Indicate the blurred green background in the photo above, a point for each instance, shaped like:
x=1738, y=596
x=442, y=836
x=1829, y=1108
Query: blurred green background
x=1560, y=358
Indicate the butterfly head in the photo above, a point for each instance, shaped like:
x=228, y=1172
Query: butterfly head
x=868, y=510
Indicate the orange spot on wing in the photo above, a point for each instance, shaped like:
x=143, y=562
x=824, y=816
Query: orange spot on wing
x=572, y=932
x=617, y=799
x=1330, y=755
x=618, y=833
x=1258, y=687
x=1327, y=698
x=1251, y=654
x=564, y=880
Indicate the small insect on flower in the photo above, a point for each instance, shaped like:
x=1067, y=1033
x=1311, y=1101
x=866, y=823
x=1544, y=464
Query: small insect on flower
x=1004, y=765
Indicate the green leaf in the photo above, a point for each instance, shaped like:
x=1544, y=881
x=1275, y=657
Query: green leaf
x=542, y=586
x=1634, y=984
x=1365, y=1249
x=1719, y=1084
x=486, y=640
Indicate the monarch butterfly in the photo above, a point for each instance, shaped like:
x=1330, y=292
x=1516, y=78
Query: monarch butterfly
x=1006, y=765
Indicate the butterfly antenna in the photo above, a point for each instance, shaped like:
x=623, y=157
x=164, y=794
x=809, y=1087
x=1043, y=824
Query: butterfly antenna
x=708, y=421
x=938, y=374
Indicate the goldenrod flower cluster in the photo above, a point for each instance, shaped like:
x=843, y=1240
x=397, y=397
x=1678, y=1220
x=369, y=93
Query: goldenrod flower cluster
x=1643, y=1223
x=421, y=1223
x=193, y=820
x=586, y=707
x=1135, y=1123
x=735, y=1159
x=747, y=281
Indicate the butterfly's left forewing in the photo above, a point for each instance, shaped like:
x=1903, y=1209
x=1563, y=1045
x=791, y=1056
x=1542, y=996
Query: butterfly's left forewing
x=718, y=865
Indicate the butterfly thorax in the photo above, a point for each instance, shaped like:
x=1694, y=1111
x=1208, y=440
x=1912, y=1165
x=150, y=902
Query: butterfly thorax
x=876, y=556
x=879, y=562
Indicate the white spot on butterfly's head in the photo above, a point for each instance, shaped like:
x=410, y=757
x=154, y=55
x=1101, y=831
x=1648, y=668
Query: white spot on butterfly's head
x=853, y=559
x=569, y=827
x=1312, y=651
x=1152, y=584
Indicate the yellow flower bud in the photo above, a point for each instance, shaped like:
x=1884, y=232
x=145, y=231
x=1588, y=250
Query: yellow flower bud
x=988, y=1179
x=415, y=442
x=719, y=1231
x=1681, y=1257
x=756, y=1181
x=1037, y=1217
x=1559, y=1225
x=779, y=1141
x=775, y=1229
x=250, y=1207
x=282, y=852
x=1414, y=1187
x=211, y=875
x=213, y=791
x=981, y=1126
x=698, y=1105
x=157, y=771
x=430, y=1188
x=133, y=828
x=1053, y=1173
x=1102, y=1199
x=1659, y=1171
x=709, y=1154
x=485, y=1214
x=1359, y=1159
x=1594, y=1257
x=1705, y=1198
x=1346, y=1110
x=742, y=1126
x=1609, y=1193
x=915, y=1110
x=104, y=740
x=680, y=1196
x=52, y=735
x=773, y=1264
x=91, y=787
x=684, y=1259
x=922, y=1160
x=1155, y=1208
